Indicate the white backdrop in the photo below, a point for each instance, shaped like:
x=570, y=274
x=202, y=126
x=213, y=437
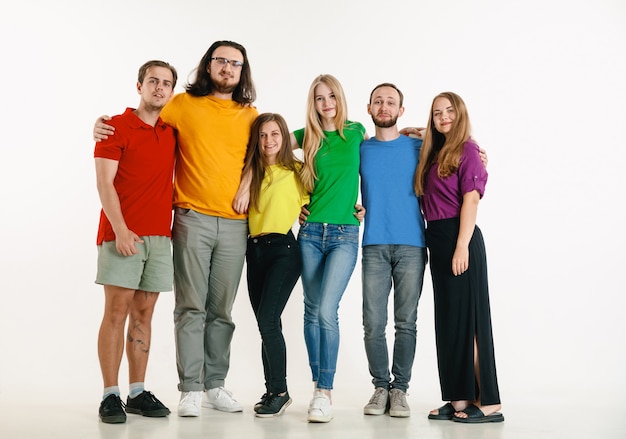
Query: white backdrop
x=544, y=83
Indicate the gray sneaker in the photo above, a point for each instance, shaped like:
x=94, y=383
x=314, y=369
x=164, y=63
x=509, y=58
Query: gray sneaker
x=398, y=407
x=378, y=402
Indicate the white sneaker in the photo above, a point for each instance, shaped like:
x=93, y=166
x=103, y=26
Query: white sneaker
x=189, y=405
x=320, y=409
x=222, y=400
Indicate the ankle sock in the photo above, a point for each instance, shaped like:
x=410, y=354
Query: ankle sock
x=135, y=389
x=112, y=390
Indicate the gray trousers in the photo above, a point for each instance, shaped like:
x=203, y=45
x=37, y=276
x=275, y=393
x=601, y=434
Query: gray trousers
x=209, y=254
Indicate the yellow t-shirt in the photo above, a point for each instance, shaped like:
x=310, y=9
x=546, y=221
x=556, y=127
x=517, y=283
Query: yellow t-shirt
x=212, y=138
x=279, y=203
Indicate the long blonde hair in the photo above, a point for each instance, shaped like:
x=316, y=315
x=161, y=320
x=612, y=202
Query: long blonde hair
x=446, y=150
x=314, y=132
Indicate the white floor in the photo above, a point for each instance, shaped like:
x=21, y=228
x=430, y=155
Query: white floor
x=62, y=417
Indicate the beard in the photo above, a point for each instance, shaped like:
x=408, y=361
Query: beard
x=224, y=86
x=384, y=123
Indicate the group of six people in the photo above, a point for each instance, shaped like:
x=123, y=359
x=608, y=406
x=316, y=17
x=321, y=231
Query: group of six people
x=237, y=191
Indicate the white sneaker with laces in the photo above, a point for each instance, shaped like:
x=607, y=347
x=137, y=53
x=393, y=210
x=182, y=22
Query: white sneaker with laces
x=320, y=408
x=189, y=405
x=221, y=399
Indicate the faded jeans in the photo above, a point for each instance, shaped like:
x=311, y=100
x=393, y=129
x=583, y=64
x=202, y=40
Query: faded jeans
x=403, y=266
x=329, y=254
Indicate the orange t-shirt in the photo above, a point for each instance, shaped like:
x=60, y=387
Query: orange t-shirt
x=212, y=141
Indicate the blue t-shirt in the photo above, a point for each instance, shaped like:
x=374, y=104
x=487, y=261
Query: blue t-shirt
x=393, y=214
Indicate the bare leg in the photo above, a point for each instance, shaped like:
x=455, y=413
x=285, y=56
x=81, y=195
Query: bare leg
x=486, y=409
x=139, y=334
x=117, y=304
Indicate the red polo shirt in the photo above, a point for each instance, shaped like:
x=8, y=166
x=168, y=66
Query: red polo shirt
x=144, y=177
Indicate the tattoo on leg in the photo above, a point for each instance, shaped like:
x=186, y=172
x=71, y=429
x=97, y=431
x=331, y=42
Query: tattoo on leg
x=137, y=343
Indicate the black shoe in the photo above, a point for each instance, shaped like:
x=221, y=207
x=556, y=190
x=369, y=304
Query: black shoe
x=146, y=404
x=274, y=405
x=259, y=404
x=112, y=410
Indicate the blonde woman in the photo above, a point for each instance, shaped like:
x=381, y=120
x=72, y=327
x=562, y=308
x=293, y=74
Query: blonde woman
x=329, y=238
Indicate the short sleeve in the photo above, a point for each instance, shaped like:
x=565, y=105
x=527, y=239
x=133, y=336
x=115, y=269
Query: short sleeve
x=299, y=135
x=472, y=172
x=111, y=148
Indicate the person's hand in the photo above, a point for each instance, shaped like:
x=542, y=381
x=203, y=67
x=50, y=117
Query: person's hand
x=413, y=132
x=125, y=242
x=483, y=156
x=304, y=213
x=360, y=212
x=460, y=260
x=101, y=130
x=241, y=201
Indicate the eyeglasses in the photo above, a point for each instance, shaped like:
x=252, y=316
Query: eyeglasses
x=223, y=61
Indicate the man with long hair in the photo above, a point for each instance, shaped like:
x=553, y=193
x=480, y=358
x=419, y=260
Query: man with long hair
x=212, y=119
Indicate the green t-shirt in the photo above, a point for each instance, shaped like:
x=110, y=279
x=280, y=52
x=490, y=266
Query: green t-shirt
x=337, y=165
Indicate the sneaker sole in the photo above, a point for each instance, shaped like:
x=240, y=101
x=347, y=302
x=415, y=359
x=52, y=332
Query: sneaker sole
x=119, y=419
x=188, y=413
x=154, y=414
x=399, y=414
x=208, y=405
x=375, y=412
x=319, y=419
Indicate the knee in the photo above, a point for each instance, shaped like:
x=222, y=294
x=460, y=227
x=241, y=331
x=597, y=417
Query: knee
x=329, y=320
x=117, y=314
x=268, y=326
x=373, y=329
x=142, y=315
x=406, y=328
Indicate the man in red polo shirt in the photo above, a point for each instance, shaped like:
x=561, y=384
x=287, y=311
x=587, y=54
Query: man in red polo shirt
x=134, y=170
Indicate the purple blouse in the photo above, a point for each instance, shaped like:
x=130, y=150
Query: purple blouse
x=443, y=197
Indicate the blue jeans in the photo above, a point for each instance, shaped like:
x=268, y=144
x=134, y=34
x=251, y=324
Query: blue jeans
x=329, y=254
x=382, y=265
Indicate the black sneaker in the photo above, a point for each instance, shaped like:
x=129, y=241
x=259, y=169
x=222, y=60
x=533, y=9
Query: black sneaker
x=112, y=410
x=146, y=404
x=274, y=405
x=259, y=404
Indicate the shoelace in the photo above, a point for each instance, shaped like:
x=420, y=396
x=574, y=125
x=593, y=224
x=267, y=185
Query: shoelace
x=271, y=399
x=153, y=398
x=376, y=398
x=195, y=396
x=113, y=401
x=401, y=399
x=222, y=389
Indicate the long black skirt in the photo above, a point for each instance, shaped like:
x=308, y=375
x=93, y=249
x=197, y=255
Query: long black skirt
x=462, y=313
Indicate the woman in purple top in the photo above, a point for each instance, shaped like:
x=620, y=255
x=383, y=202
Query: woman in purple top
x=450, y=180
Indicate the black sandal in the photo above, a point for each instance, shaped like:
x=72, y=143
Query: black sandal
x=446, y=412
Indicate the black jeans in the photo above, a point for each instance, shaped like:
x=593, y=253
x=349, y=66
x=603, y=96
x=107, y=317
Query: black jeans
x=274, y=265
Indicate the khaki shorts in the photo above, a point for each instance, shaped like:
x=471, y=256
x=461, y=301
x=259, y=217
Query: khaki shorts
x=149, y=270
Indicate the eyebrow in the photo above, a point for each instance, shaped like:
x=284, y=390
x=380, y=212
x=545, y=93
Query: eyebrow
x=154, y=77
x=385, y=98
